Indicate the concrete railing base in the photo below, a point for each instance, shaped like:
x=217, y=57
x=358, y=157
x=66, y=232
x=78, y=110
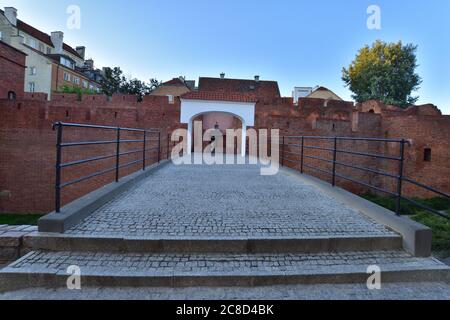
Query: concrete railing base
x=80, y=209
x=416, y=237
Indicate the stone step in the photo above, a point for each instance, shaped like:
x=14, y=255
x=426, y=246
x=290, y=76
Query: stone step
x=49, y=269
x=64, y=242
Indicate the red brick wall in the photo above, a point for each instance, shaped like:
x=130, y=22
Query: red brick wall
x=12, y=71
x=27, y=142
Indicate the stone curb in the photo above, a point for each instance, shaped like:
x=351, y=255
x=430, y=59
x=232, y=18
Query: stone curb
x=54, y=242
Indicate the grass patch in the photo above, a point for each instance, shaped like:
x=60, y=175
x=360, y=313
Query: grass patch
x=439, y=204
x=19, y=219
x=439, y=225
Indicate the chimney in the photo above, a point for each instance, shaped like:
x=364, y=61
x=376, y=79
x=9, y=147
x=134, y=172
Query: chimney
x=11, y=15
x=57, y=38
x=89, y=64
x=81, y=51
x=222, y=75
x=257, y=78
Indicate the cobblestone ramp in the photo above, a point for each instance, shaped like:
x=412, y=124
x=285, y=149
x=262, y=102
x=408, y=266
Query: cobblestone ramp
x=225, y=201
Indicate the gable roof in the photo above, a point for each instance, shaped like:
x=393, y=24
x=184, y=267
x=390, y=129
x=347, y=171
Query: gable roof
x=174, y=82
x=42, y=36
x=252, y=88
x=323, y=92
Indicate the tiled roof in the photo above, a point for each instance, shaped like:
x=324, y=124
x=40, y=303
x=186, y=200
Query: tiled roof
x=44, y=37
x=173, y=82
x=259, y=89
x=217, y=96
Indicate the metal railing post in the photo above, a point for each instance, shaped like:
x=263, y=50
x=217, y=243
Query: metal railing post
x=302, y=159
x=144, y=151
x=58, y=167
x=334, y=161
x=117, y=154
x=282, y=151
x=159, y=146
x=400, y=178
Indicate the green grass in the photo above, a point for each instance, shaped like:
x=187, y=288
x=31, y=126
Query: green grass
x=19, y=219
x=439, y=225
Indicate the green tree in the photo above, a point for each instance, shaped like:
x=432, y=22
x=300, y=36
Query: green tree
x=136, y=87
x=77, y=90
x=385, y=72
x=113, y=81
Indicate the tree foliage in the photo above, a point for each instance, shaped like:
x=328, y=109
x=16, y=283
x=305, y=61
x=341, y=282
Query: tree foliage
x=77, y=90
x=115, y=82
x=385, y=72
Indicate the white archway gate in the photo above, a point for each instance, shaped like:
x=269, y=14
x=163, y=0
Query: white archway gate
x=245, y=111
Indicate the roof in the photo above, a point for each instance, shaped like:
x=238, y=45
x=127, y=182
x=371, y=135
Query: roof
x=323, y=93
x=217, y=96
x=174, y=82
x=258, y=89
x=12, y=48
x=42, y=36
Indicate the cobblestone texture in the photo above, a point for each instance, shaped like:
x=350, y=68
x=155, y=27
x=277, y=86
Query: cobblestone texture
x=230, y=264
x=225, y=201
x=389, y=291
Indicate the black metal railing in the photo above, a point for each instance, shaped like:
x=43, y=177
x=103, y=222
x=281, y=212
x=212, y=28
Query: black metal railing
x=151, y=135
x=299, y=142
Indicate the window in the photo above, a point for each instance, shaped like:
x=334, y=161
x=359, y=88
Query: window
x=427, y=155
x=32, y=43
x=49, y=50
x=91, y=87
x=12, y=95
x=32, y=71
x=76, y=80
x=85, y=84
x=66, y=76
x=31, y=87
x=41, y=48
x=1, y=36
x=66, y=62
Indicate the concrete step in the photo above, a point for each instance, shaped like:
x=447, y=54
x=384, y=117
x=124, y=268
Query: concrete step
x=64, y=242
x=49, y=269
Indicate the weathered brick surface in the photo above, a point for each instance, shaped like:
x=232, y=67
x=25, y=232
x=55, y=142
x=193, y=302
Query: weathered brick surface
x=27, y=142
x=12, y=71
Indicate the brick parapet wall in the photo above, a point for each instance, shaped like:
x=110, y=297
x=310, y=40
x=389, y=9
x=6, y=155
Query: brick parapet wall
x=27, y=142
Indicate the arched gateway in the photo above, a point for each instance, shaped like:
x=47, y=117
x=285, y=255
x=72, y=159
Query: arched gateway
x=196, y=104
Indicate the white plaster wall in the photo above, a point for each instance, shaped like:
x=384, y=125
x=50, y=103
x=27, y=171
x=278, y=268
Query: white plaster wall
x=191, y=108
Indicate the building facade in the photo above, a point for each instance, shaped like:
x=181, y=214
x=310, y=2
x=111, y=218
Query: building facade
x=50, y=63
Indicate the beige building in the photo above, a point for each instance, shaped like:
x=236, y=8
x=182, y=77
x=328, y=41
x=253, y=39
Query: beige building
x=174, y=88
x=45, y=54
x=318, y=92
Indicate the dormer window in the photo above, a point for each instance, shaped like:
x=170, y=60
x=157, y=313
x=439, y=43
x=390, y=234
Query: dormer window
x=67, y=63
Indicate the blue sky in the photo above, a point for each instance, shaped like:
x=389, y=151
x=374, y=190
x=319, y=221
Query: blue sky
x=296, y=42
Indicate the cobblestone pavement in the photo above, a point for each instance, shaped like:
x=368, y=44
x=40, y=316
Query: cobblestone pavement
x=225, y=201
x=389, y=291
x=210, y=264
